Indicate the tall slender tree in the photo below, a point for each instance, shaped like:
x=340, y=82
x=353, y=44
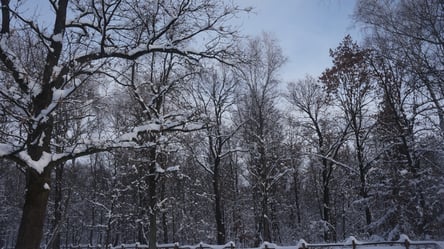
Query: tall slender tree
x=261, y=129
x=350, y=81
x=327, y=136
x=214, y=94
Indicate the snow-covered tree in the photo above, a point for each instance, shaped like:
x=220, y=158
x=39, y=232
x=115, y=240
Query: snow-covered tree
x=350, y=82
x=406, y=39
x=326, y=136
x=214, y=96
x=44, y=62
x=261, y=129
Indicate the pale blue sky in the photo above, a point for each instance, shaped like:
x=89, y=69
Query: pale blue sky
x=305, y=29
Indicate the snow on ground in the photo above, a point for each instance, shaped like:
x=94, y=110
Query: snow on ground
x=348, y=244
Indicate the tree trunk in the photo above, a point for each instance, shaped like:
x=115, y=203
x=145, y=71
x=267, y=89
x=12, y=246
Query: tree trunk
x=296, y=196
x=152, y=200
x=164, y=215
x=266, y=219
x=58, y=196
x=326, y=212
x=219, y=221
x=36, y=198
x=37, y=184
x=329, y=234
x=220, y=226
x=364, y=195
x=5, y=17
x=362, y=176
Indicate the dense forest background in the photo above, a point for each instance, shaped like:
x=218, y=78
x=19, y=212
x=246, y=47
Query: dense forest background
x=212, y=146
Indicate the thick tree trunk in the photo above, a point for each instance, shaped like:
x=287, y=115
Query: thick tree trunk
x=5, y=17
x=37, y=184
x=34, y=210
x=38, y=141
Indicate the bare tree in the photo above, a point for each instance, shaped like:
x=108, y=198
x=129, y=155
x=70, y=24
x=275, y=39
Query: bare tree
x=350, y=82
x=261, y=129
x=310, y=99
x=214, y=96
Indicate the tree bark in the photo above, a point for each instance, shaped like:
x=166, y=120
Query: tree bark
x=215, y=148
x=220, y=226
x=37, y=184
x=5, y=17
x=31, y=226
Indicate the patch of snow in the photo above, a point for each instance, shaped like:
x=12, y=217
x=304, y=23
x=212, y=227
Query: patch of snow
x=138, y=49
x=39, y=165
x=403, y=172
x=36, y=89
x=162, y=139
x=376, y=238
x=56, y=71
x=42, y=137
x=42, y=163
x=227, y=245
x=130, y=136
x=403, y=238
x=58, y=37
x=350, y=240
x=302, y=244
x=59, y=94
x=266, y=245
x=5, y=149
x=148, y=127
x=43, y=115
x=173, y=168
x=159, y=169
x=168, y=245
x=194, y=126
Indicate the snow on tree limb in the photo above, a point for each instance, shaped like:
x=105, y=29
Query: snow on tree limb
x=6, y=150
x=13, y=64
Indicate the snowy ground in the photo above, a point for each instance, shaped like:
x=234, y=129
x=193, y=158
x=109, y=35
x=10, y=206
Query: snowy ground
x=351, y=243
